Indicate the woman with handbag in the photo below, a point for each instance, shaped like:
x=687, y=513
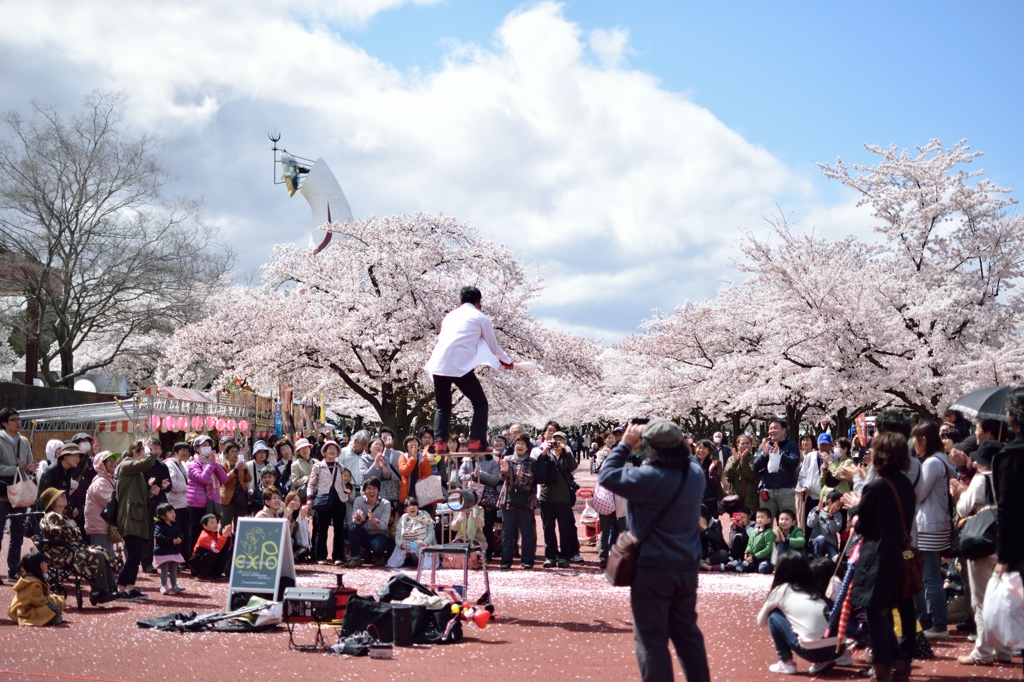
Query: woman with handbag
x=518, y=502
x=884, y=576
x=205, y=476
x=483, y=475
x=969, y=500
x=326, y=495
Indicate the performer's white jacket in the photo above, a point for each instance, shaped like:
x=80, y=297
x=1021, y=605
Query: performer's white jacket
x=465, y=342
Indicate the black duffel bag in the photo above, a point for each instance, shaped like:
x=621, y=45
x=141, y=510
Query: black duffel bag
x=428, y=625
x=978, y=535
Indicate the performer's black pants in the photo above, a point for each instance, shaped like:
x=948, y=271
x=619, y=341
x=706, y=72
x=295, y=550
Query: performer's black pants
x=471, y=388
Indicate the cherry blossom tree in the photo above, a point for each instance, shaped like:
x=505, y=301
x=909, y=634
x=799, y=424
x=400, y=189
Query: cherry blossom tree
x=827, y=328
x=358, y=320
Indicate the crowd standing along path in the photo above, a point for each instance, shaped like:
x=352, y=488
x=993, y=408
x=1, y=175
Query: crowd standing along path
x=561, y=624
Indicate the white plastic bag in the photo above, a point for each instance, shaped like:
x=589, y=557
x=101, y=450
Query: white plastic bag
x=589, y=515
x=1004, y=610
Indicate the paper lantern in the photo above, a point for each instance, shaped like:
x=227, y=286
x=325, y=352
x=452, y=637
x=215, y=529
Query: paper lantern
x=182, y=423
x=232, y=425
x=154, y=422
x=221, y=424
x=210, y=423
x=197, y=423
x=243, y=425
x=168, y=423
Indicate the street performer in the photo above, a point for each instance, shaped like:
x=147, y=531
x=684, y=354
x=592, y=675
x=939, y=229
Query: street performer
x=465, y=342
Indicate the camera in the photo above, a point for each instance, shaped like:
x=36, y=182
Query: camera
x=640, y=420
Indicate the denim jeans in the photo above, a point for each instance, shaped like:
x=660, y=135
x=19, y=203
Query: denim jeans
x=931, y=603
x=376, y=545
x=822, y=547
x=787, y=643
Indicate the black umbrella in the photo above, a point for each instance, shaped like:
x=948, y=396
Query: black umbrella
x=985, y=403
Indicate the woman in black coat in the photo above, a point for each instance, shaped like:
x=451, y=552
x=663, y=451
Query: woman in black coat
x=876, y=583
x=1008, y=477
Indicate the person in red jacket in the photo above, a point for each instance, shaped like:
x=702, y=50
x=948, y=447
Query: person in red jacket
x=212, y=551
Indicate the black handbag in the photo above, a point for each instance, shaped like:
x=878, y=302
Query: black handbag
x=109, y=512
x=978, y=535
x=324, y=503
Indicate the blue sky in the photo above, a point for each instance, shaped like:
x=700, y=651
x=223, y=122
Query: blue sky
x=619, y=148
x=807, y=80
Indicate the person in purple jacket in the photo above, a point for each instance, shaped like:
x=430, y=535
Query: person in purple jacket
x=205, y=477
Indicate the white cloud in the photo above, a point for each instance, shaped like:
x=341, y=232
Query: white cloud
x=629, y=192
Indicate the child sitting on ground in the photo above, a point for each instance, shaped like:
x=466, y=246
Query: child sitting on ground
x=167, y=539
x=824, y=525
x=759, y=547
x=212, y=551
x=34, y=603
x=714, y=550
x=415, y=528
x=788, y=536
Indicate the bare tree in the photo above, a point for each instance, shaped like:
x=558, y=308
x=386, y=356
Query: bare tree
x=113, y=267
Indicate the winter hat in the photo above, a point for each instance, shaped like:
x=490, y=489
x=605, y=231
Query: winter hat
x=825, y=439
x=49, y=496
x=69, y=449
x=53, y=446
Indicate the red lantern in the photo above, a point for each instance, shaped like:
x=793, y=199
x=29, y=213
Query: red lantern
x=182, y=423
x=154, y=422
x=232, y=425
x=243, y=425
x=168, y=423
x=197, y=423
x=210, y=423
x=221, y=424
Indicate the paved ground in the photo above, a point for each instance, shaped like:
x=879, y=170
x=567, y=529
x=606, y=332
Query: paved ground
x=552, y=625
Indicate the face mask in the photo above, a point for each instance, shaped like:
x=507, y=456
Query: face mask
x=205, y=450
x=85, y=447
x=718, y=441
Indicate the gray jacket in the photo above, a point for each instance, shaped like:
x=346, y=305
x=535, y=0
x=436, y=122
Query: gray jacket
x=823, y=524
x=11, y=455
x=487, y=467
x=377, y=517
x=933, y=494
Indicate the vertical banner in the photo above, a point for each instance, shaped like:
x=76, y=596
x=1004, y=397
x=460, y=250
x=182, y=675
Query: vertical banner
x=277, y=419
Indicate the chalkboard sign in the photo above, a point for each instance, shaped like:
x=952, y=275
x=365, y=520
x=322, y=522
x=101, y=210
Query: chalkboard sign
x=262, y=553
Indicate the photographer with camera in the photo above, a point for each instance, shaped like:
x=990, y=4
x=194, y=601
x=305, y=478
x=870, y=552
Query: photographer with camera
x=665, y=489
x=556, y=502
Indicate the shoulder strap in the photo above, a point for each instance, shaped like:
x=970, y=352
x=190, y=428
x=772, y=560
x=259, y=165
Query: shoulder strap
x=899, y=508
x=671, y=503
x=990, y=494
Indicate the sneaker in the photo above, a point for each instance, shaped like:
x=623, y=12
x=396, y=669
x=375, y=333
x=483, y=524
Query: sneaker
x=783, y=668
x=549, y=563
x=845, y=660
x=165, y=590
x=177, y=590
x=817, y=667
x=936, y=634
x=527, y=567
x=563, y=563
x=968, y=659
x=134, y=595
x=441, y=447
x=505, y=567
x=355, y=563
x=972, y=637
x=478, y=446
x=577, y=559
x=149, y=569
x=967, y=626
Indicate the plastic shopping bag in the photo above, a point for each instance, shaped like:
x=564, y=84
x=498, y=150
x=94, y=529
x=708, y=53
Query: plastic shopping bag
x=1004, y=610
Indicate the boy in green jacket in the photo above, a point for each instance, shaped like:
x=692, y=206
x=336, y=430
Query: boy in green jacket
x=788, y=537
x=759, y=547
